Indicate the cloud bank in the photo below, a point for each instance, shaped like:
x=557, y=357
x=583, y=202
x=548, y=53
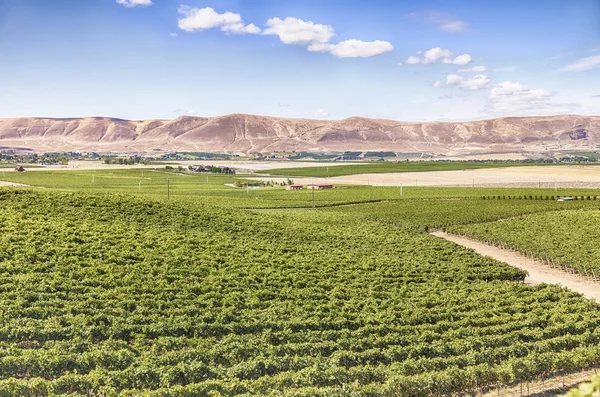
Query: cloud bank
x=293, y=31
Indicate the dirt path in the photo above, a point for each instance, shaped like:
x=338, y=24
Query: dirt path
x=538, y=272
x=12, y=184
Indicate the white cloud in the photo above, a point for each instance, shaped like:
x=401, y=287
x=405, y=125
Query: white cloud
x=290, y=30
x=473, y=84
x=353, y=48
x=173, y=34
x=283, y=105
x=476, y=83
x=296, y=31
x=515, y=98
x=474, y=69
x=509, y=88
x=582, y=64
x=441, y=20
x=240, y=28
x=438, y=84
x=463, y=59
x=207, y=18
x=320, y=113
x=438, y=54
x=135, y=3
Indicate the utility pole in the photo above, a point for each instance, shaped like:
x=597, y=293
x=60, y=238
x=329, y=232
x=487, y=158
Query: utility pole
x=168, y=188
x=313, y=197
x=93, y=179
x=400, y=188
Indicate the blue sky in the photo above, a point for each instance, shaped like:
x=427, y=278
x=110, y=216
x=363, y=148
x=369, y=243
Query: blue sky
x=406, y=60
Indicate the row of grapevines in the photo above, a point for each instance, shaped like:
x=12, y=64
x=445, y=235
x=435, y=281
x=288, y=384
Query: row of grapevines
x=117, y=295
x=565, y=238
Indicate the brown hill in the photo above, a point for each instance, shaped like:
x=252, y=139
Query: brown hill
x=240, y=133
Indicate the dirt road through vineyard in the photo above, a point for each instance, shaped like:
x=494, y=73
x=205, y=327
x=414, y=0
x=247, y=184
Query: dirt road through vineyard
x=538, y=272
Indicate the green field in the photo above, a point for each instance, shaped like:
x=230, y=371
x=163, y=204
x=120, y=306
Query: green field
x=109, y=286
x=423, y=214
x=386, y=167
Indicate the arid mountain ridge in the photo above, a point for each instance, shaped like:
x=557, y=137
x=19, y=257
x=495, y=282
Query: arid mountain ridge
x=241, y=133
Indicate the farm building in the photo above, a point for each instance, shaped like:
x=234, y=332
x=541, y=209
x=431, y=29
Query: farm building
x=294, y=187
x=321, y=186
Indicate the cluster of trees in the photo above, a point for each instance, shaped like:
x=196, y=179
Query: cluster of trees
x=134, y=160
x=34, y=158
x=271, y=183
x=212, y=169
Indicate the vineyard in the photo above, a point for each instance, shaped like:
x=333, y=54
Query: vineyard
x=125, y=282
x=106, y=293
x=561, y=239
x=423, y=214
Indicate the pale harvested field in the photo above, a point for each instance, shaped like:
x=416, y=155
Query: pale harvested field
x=561, y=176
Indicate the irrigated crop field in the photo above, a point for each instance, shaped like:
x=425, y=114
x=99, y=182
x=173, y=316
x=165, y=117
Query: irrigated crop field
x=118, y=283
x=387, y=167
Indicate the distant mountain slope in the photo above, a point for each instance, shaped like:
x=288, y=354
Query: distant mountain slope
x=241, y=133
